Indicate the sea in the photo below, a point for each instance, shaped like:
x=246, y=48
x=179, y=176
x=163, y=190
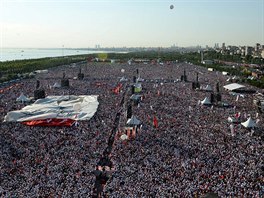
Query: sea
x=9, y=54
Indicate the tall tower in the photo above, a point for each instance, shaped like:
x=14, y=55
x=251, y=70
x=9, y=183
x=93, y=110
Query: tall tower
x=223, y=46
x=202, y=56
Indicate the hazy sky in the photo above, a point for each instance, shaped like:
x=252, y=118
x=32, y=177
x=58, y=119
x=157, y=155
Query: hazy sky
x=131, y=23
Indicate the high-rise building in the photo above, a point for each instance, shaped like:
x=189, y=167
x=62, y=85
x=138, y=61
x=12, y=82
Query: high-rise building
x=248, y=50
x=202, y=56
x=257, y=46
x=223, y=46
x=216, y=46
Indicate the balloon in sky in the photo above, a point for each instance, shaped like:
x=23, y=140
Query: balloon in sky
x=171, y=7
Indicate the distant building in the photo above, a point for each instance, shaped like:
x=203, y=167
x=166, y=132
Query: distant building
x=201, y=56
x=262, y=53
x=207, y=62
x=238, y=51
x=248, y=50
x=223, y=46
x=216, y=46
x=257, y=46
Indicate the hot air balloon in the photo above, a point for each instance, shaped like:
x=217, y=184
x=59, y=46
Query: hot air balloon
x=171, y=7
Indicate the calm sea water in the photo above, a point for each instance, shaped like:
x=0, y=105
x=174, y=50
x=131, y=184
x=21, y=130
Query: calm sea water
x=7, y=54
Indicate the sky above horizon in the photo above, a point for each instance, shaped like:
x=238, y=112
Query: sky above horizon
x=130, y=23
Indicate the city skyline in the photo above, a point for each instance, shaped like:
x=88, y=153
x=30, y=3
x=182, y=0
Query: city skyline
x=125, y=23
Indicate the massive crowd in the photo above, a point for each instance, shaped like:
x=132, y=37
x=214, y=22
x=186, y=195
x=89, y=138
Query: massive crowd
x=190, y=153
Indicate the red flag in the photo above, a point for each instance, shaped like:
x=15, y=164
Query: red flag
x=155, y=122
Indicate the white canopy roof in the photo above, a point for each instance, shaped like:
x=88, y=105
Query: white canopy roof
x=206, y=101
x=133, y=121
x=22, y=98
x=123, y=79
x=56, y=85
x=208, y=88
x=81, y=107
x=233, y=86
x=140, y=79
x=249, y=123
x=135, y=97
x=138, y=85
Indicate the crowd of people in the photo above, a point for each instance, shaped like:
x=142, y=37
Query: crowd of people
x=189, y=153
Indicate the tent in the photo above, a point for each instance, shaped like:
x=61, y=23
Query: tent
x=233, y=86
x=56, y=85
x=206, y=101
x=208, y=88
x=250, y=123
x=135, y=97
x=22, y=98
x=133, y=121
x=140, y=79
x=56, y=110
x=123, y=79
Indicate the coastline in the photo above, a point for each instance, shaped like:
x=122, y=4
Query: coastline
x=12, y=54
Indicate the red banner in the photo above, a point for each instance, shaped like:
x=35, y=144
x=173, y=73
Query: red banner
x=50, y=122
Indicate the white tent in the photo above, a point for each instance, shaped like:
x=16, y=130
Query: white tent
x=123, y=79
x=59, y=107
x=206, y=101
x=208, y=88
x=56, y=85
x=22, y=98
x=42, y=71
x=233, y=86
x=135, y=97
x=250, y=123
x=133, y=121
x=140, y=79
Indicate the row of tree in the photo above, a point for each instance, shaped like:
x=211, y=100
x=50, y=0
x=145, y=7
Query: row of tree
x=10, y=69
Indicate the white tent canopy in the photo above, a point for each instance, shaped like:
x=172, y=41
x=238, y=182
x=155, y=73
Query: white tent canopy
x=208, y=88
x=135, y=97
x=140, y=79
x=133, y=121
x=123, y=79
x=250, y=123
x=206, y=101
x=81, y=107
x=233, y=86
x=56, y=85
x=22, y=98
